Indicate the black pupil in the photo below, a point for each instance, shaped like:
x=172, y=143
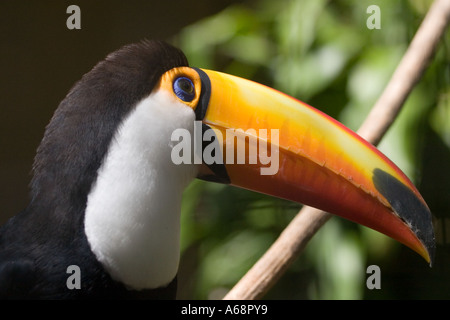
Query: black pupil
x=186, y=85
x=184, y=89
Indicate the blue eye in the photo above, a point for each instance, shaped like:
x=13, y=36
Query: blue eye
x=184, y=89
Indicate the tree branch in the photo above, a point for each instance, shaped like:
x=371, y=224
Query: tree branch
x=272, y=265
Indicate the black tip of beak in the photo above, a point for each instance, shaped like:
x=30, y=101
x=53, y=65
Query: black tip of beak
x=408, y=207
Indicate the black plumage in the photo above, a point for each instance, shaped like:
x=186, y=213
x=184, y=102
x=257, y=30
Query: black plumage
x=38, y=244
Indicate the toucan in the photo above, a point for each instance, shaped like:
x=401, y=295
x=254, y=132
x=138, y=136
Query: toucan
x=110, y=171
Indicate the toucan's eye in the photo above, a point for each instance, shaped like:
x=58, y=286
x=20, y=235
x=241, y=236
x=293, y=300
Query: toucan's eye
x=184, y=89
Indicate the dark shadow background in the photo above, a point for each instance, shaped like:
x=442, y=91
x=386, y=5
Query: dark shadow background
x=40, y=59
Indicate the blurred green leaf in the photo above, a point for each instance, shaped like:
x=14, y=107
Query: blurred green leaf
x=228, y=261
x=440, y=117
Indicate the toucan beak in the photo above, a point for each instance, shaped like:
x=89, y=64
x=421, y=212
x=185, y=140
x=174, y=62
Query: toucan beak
x=274, y=144
x=260, y=139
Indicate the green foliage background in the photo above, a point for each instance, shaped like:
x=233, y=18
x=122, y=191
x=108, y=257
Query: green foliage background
x=321, y=52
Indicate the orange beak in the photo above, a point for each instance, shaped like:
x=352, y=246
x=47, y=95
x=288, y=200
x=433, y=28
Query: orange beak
x=274, y=144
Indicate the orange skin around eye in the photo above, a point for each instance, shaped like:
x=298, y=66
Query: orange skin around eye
x=168, y=78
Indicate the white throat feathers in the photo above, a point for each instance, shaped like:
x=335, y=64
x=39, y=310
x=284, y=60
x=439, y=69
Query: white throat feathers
x=132, y=218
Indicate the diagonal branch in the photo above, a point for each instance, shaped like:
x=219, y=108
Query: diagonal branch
x=272, y=265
